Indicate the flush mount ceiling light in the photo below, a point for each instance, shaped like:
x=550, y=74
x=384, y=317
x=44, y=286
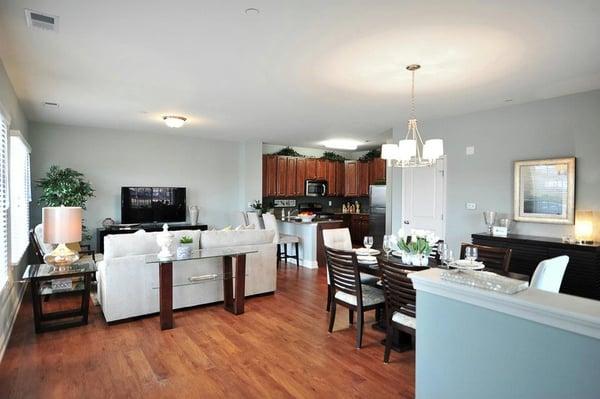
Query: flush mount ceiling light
x=252, y=11
x=412, y=151
x=341, y=144
x=174, y=121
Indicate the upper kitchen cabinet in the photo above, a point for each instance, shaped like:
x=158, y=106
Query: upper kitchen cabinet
x=300, y=175
x=281, y=176
x=269, y=175
x=339, y=178
x=311, y=168
x=351, y=178
x=322, y=169
x=377, y=171
x=331, y=178
x=290, y=189
x=363, y=178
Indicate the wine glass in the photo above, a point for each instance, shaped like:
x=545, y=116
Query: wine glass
x=468, y=255
x=447, y=257
x=474, y=254
x=368, y=243
x=442, y=246
x=490, y=218
x=387, y=245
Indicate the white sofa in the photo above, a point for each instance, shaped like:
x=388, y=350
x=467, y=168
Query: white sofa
x=128, y=287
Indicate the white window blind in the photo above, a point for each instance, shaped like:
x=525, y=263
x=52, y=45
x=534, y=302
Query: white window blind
x=3, y=202
x=20, y=196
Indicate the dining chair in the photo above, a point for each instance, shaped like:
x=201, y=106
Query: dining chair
x=341, y=239
x=255, y=219
x=400, y=301
x=549, y=273
x=244, y=219
x=347, y=290
x=435, y=252
x=492, y=257
x=282, y=240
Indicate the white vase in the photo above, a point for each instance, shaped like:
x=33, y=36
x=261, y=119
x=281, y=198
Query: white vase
x=406, y=258
x=193, y=215
x=185, y=250
x=423, y=260
x=165, y=240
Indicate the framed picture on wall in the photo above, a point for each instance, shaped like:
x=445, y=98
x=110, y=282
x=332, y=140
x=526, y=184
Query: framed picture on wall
x=545, y=191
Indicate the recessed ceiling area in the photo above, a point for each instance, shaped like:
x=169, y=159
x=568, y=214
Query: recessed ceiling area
x=296, y=72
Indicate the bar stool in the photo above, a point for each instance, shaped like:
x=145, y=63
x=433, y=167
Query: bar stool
x=281, y=240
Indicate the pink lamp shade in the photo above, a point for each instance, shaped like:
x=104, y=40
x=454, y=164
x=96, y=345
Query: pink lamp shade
x=62, y=224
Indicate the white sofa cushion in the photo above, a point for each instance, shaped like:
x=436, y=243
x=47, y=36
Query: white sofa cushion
x=141, y=243
x=217, y=239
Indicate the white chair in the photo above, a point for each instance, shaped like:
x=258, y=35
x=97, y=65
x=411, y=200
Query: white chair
x=341, y=239
x=244, y=219
x=549, y=273
x=254, y=219
x=281, y=239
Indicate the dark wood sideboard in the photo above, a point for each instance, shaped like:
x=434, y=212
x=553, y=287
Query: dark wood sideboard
x=582, y=277
x=102, y=232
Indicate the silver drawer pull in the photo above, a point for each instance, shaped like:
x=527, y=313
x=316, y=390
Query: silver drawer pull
x=204, y=277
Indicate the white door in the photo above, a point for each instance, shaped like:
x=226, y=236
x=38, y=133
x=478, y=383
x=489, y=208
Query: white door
x=424, y=198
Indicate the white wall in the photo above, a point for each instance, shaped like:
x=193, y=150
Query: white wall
x=10, y=296
x=110, y=159
x=250, y=183
x=558, y=127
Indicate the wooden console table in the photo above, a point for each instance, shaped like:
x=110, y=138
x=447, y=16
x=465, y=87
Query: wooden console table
x=233, y=303
x=582, y=277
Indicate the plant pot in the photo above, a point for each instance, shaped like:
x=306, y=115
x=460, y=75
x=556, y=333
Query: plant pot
x=422, y=260
x=406, y=258
x=185, y=250
x=258, y=212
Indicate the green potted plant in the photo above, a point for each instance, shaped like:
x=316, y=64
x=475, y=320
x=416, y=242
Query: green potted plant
x=257, y=206
x=186, y=245
x=415, y=251
x=65, y=187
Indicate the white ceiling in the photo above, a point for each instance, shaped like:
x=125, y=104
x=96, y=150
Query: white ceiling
x=301, y=71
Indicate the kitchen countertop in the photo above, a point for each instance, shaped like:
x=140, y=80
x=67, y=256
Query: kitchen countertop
x=312, y=222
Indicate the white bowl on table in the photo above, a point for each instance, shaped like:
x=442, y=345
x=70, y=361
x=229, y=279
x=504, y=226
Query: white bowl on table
x=306, y=218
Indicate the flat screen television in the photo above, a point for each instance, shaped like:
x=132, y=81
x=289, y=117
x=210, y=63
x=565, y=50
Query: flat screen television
x=152, y=204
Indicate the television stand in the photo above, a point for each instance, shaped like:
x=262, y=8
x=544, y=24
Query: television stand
x=149, y=227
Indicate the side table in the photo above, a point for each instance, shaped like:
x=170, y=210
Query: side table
x=41, y=276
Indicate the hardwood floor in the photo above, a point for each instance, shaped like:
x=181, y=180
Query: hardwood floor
x=278, y=348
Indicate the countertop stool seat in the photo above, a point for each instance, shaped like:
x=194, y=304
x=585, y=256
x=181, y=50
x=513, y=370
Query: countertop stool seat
x=282, y=240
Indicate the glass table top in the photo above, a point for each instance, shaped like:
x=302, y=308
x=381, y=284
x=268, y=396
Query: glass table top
x=44, y=270
x=206, y=253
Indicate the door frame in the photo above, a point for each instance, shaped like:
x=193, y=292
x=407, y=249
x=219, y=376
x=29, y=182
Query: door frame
x=444, y=197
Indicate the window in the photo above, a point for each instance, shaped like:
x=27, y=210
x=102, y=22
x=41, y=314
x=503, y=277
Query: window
x=3, y=201
x=20, y=196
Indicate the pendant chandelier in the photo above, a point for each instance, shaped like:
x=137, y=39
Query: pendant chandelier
x=412, y=152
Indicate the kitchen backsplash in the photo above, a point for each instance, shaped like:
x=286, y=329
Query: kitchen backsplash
x=336, y=202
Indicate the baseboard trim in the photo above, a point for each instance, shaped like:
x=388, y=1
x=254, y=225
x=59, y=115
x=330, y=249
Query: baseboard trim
x=13, y=318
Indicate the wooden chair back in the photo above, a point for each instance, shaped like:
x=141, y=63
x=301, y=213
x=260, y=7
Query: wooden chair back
x=344, y=276
x=400, y=295
x=492, y=257
x=36, y=246
x=435, y=252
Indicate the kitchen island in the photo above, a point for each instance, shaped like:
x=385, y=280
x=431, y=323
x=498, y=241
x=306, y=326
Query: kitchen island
x=311, y=249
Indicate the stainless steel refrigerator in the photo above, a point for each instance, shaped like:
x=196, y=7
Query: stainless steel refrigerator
x=377, y=214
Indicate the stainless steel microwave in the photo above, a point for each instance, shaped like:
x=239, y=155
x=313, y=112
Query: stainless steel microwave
x=315, y=188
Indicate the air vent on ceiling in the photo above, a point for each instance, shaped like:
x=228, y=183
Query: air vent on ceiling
x=36, y=19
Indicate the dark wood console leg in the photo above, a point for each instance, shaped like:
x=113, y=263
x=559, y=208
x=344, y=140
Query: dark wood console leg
x=165, y=271
x=227, y=283
x=240, y=284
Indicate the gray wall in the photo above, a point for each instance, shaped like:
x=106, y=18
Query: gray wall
x=464, y=351
x=209, y=169
x=559, y=127
x=10, y=296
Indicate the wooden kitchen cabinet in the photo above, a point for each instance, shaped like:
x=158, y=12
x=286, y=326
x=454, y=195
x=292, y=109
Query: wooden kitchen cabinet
x=377, y=171
x=290, y=184
x=351, y=179
x=311, y=168
x=359, y=228
x=281, y=176
x=269, y=175
x=363, y=178
x=331, y=178
x=300, y=175
x=339, y=178
x=322, y=169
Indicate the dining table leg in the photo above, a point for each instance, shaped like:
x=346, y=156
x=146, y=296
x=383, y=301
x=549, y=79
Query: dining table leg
x=165, y=272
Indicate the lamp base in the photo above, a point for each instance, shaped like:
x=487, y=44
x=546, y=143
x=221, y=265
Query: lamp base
x=61, y=256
